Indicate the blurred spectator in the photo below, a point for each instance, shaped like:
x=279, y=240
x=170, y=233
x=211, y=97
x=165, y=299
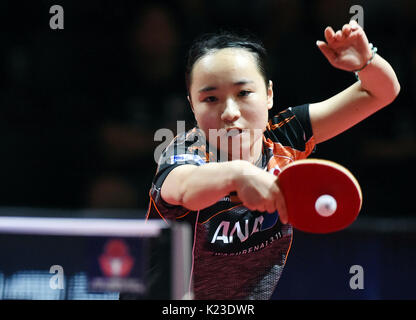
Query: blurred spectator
x=151, y=96
x=108, y=192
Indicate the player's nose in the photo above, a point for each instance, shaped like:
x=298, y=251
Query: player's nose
x=231, y=111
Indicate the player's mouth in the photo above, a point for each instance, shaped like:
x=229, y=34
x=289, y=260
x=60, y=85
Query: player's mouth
x=233, y=132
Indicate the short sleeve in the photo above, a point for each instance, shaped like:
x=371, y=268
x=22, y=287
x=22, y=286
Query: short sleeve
x=187, y=148
x=292, y=129
x=302, y=115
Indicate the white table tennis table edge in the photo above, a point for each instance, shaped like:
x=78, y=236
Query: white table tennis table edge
x=81, y=226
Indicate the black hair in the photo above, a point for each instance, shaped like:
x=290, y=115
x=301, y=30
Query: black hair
x=210, y=42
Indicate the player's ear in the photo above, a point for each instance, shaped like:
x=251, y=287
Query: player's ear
x=270, y=95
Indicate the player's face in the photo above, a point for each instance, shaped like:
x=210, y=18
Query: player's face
x=228, y=92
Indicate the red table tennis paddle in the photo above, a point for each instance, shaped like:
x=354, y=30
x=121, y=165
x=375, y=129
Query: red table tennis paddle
x=303, y=182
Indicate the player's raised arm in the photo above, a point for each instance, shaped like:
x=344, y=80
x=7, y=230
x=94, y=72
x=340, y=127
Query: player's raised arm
x=348, y=49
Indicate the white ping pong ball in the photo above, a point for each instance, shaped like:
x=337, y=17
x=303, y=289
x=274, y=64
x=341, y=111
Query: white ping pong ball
x=326, y=205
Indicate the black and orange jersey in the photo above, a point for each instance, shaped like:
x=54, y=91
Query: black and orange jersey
x=237, y=253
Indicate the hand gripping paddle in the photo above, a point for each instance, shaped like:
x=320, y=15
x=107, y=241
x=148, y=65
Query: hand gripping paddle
x=321, y=196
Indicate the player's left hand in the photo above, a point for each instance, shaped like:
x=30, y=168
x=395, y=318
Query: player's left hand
x=347, y=49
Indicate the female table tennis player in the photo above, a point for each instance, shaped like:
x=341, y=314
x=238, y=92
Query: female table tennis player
x=240, y=249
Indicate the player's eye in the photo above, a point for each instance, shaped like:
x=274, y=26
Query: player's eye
x=244, y=93
x=210, y=99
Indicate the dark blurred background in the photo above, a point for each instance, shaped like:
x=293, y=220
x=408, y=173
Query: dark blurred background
x=79, y=107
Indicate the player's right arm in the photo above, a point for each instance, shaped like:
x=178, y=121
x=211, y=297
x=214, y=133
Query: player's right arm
x=198, y=187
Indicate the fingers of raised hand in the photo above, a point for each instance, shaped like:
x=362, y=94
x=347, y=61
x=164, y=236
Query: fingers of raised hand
x=326, y=50
x=352, y=29
x=354, y=25
x=332, y=36
x=329, y=35
x=346, y=30
x=338, y=35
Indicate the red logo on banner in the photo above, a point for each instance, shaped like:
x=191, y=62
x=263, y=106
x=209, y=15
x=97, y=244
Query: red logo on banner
x=116, y=260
